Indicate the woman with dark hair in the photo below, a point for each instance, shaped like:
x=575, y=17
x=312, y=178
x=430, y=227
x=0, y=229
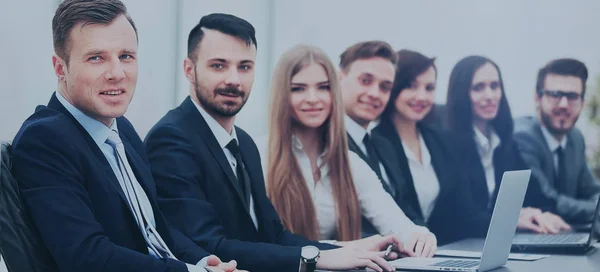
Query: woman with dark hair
x=479, y=117
x=432, y=195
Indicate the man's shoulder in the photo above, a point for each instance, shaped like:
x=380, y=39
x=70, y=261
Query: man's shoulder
x=526, y=125
x=171, y=123
x=45, y=125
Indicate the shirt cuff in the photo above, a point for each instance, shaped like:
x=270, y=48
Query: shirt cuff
x=199, y=267
x=332, y=242
x=196, y=268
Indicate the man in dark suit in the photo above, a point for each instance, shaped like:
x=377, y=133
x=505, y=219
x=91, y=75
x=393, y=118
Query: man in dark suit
x=367, y=71
x=553, y=147
x=82, y=169
x=208, y=173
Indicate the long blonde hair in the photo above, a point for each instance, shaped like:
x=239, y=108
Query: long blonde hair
x=286, y=186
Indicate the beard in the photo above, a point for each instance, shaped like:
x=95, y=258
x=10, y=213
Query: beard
x=563, y=128
x=225, y=109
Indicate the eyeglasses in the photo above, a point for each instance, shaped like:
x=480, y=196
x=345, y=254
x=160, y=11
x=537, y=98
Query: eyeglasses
x=573, y=99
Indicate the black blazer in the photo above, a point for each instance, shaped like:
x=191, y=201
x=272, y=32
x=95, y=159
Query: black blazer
x=453, y=217
x=387, y=156
x=506, y=158
x=76, y=202
x=198, y=193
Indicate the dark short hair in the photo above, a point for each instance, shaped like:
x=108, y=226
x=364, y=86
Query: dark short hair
x=71, y=12
x=367, y=50
x=410, y=65
x=459, y=111
x=563, y=67
x=224, y=23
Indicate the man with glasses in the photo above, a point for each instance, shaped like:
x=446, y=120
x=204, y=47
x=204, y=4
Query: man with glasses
x=553, y=147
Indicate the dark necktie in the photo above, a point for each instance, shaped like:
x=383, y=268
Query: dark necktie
x=242, y=175
x=560, y=175
x=372, y=158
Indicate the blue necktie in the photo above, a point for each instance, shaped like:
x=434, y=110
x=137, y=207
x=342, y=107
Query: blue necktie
x=138, y=201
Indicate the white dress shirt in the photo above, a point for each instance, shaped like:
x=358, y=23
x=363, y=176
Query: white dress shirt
x=223, y=137
x=427, y=185
x=375, y=203
x=553, y=144
x=357, y=133
x=486, y=148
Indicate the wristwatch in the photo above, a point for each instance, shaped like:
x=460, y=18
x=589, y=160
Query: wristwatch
x=310, y=256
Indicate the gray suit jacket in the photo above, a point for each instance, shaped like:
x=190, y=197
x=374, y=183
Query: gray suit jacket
x=577, y=201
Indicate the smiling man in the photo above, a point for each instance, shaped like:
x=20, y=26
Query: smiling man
x=367, y=72
x=81, y=167
x=553, y=146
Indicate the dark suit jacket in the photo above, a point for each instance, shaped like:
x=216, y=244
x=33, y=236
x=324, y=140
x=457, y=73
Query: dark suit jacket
x=454, y=216
x=199, y=195
x=388, y=158
x=578, y=198
x=76, y=202
x=506, y=158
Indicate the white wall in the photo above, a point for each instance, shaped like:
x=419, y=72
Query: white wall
x=520, y=36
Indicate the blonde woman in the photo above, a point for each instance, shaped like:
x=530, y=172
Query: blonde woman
x=317, y=186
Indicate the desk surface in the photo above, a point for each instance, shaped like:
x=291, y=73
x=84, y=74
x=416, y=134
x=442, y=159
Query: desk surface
x=589, y=262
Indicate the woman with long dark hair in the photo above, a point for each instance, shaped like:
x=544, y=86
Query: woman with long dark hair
x=432, y=194
x=479, y=116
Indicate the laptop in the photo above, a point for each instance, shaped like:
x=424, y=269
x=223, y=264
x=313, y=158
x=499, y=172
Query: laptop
x=576, y=241
x=499, y=236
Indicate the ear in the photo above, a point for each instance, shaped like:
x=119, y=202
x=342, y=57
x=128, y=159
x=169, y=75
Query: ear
x=60, y=67
x=188, y=70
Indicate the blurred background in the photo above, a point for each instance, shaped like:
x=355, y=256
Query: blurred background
x=521, y=36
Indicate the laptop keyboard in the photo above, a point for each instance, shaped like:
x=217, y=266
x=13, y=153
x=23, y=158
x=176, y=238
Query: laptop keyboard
x=457, y=264
x=561, y=238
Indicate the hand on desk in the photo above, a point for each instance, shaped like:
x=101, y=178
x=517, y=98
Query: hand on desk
x=214, y=264
x=350, y=257
x=422, y=245
x=541, y=222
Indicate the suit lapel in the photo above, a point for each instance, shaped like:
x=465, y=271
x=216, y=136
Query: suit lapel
x=355, y=148
x=549, y=154
x=208, y=138
x=139, y=168
x=436, y=153
x=386, y=128
x=393, y=179
x=103, y=162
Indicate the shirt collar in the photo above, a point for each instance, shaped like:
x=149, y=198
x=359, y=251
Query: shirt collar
x=425, y=156
x=356, y=132
x=299, y=147
x=552, y=142
x=97, y=130
x=219, y=131
x=483, y=143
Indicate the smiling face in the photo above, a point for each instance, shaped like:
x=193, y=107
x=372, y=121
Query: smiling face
x=486, y=92
x=101, y=75
x=310, y=96
x=222, y=74
x=366, y=88
x=559, y=114
x=413, y=103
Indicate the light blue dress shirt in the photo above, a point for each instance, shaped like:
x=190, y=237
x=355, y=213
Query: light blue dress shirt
x=99, y=133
